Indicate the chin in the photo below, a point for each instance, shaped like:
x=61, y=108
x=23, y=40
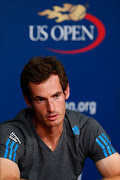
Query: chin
x=55, y=124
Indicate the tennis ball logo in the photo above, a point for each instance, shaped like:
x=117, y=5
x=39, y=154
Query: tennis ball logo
x=77, y=13
x=73, y=12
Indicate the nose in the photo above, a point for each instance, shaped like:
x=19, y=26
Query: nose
x=50, y=106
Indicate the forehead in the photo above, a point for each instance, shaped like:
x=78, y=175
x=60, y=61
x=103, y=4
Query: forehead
x=49, y=86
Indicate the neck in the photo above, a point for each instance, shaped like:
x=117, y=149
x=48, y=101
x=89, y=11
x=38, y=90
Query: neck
x=49, y=135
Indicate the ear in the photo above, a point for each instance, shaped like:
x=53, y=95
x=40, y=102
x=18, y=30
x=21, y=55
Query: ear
x=27, y=102
x=67, y=92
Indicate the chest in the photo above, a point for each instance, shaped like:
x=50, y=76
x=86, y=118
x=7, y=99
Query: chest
x=66, y=162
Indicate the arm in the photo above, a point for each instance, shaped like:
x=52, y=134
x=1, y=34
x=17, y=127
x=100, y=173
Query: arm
x=109, y=167
x=112, y=178
x=9, y=170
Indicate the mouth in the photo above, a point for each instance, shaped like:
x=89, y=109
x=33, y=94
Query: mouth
x=52, y=117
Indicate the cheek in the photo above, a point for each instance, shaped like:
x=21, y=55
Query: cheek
x=39, y=109
x=60, y=102
x=61, y=105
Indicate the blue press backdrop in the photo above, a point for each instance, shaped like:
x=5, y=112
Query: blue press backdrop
x=93, y=75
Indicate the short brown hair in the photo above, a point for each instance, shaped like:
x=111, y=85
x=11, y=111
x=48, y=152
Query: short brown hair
x=39, y=69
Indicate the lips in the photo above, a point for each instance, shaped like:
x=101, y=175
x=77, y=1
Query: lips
x=52, y=117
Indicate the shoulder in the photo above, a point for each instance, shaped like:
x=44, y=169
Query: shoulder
x=17, y=128
x=16, y=136
x=82, y=122
x=19, y=121
x=79, y=119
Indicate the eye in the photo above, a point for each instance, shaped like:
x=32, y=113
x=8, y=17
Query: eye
x=57, y=96
x=40, y=100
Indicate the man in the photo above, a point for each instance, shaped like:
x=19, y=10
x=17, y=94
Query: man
x=47, y=142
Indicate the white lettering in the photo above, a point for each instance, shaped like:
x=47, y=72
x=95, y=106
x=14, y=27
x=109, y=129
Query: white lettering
x=67, y=31
x=82, y=106
x=14, y=137
x=76, y=31
x=70, y=105
x=40, y=32
x=92, y=107
x=85, y=31
x=61, y=32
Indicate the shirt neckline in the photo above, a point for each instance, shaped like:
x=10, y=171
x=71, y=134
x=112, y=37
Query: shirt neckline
x=41, y=142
